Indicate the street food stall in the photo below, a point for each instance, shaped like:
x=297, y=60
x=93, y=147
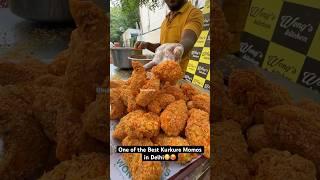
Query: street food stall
x=176, y=92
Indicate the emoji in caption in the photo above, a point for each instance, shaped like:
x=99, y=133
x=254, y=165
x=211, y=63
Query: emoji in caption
x=167, y=157
x=173, y=157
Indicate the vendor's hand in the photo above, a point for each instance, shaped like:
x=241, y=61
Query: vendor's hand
x=141, y=45
x=169, y=51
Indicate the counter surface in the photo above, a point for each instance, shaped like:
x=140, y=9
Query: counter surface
x=20, y=37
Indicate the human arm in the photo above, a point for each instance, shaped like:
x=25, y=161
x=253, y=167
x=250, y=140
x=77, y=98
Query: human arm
x=146, y=45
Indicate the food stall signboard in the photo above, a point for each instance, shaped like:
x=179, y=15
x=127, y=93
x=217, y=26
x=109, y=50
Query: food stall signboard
x=199, y=64
x=283, y=36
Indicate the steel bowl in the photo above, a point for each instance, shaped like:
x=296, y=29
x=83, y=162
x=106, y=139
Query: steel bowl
x=41, y=10
x=120, y=56
x=143, y=59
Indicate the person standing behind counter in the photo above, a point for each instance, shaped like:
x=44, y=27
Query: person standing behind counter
x=179, y=32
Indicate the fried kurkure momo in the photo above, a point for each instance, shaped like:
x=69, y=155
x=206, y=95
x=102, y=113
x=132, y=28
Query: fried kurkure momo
x=153, y=111
x=174, y=118
x=16, y=99
x=120, y=132
x=87, y=64
x=48, y=105
x=251, y=89
x=138, y=78
x=145, y=126
x=72, y=138
x=168, y=71
x=49, y=80
x=95, y=118
x=198, y=130
x=257, y=138
x=222, y=105
x=148, y=92
x=87, y=166
x=231, y=159
x=164, y=140
x=118, y=109
x=173, y=90
x=141, y=169
x=309, y=105
x=278, y=165
x=117, y=83
x=161, y=102
x=24, y=146
x=138, y=124
x=225, y=109
x=25, y=70
x=85, y=71
x=128, y=99
x=294, y=129
x=200, y=101
x=189, y=91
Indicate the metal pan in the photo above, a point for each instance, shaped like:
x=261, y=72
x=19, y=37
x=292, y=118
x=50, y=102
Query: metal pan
x=120, y=56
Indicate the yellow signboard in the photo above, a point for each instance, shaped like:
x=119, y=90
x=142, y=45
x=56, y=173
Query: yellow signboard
x=283, y=36
x=198, y=69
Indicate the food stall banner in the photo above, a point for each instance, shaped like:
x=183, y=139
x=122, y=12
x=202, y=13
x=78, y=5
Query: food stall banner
x=283, y=36
x=198, y=69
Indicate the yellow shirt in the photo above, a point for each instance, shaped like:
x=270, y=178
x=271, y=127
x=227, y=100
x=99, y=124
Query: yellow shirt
x=188, y=17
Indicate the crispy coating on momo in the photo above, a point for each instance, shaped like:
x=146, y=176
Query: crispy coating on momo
x=141, y=170
x=138, y=78
x=189, y=90
x=164, y=140
x=118, y=108
x=87, y=63
x=257, y=138
x=173, y=90
x=161, y=102
x=200, y=101
x=174, y=118
x=86, y=166
x=231, y=159
x=94, y=119
x=168, y=71
x=198, y=130
x=251, y=89
x=278, y=165
x=145, y=126
x=148, y=92
x=120, y=132
x=294, y=129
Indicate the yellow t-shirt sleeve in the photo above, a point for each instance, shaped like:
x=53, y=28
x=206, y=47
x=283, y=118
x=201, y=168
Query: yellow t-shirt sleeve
x=195, y=21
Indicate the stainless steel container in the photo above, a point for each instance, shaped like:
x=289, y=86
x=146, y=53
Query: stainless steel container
x=120, y=56
x=47, y=10
x=41, y=10
x=141, y=58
